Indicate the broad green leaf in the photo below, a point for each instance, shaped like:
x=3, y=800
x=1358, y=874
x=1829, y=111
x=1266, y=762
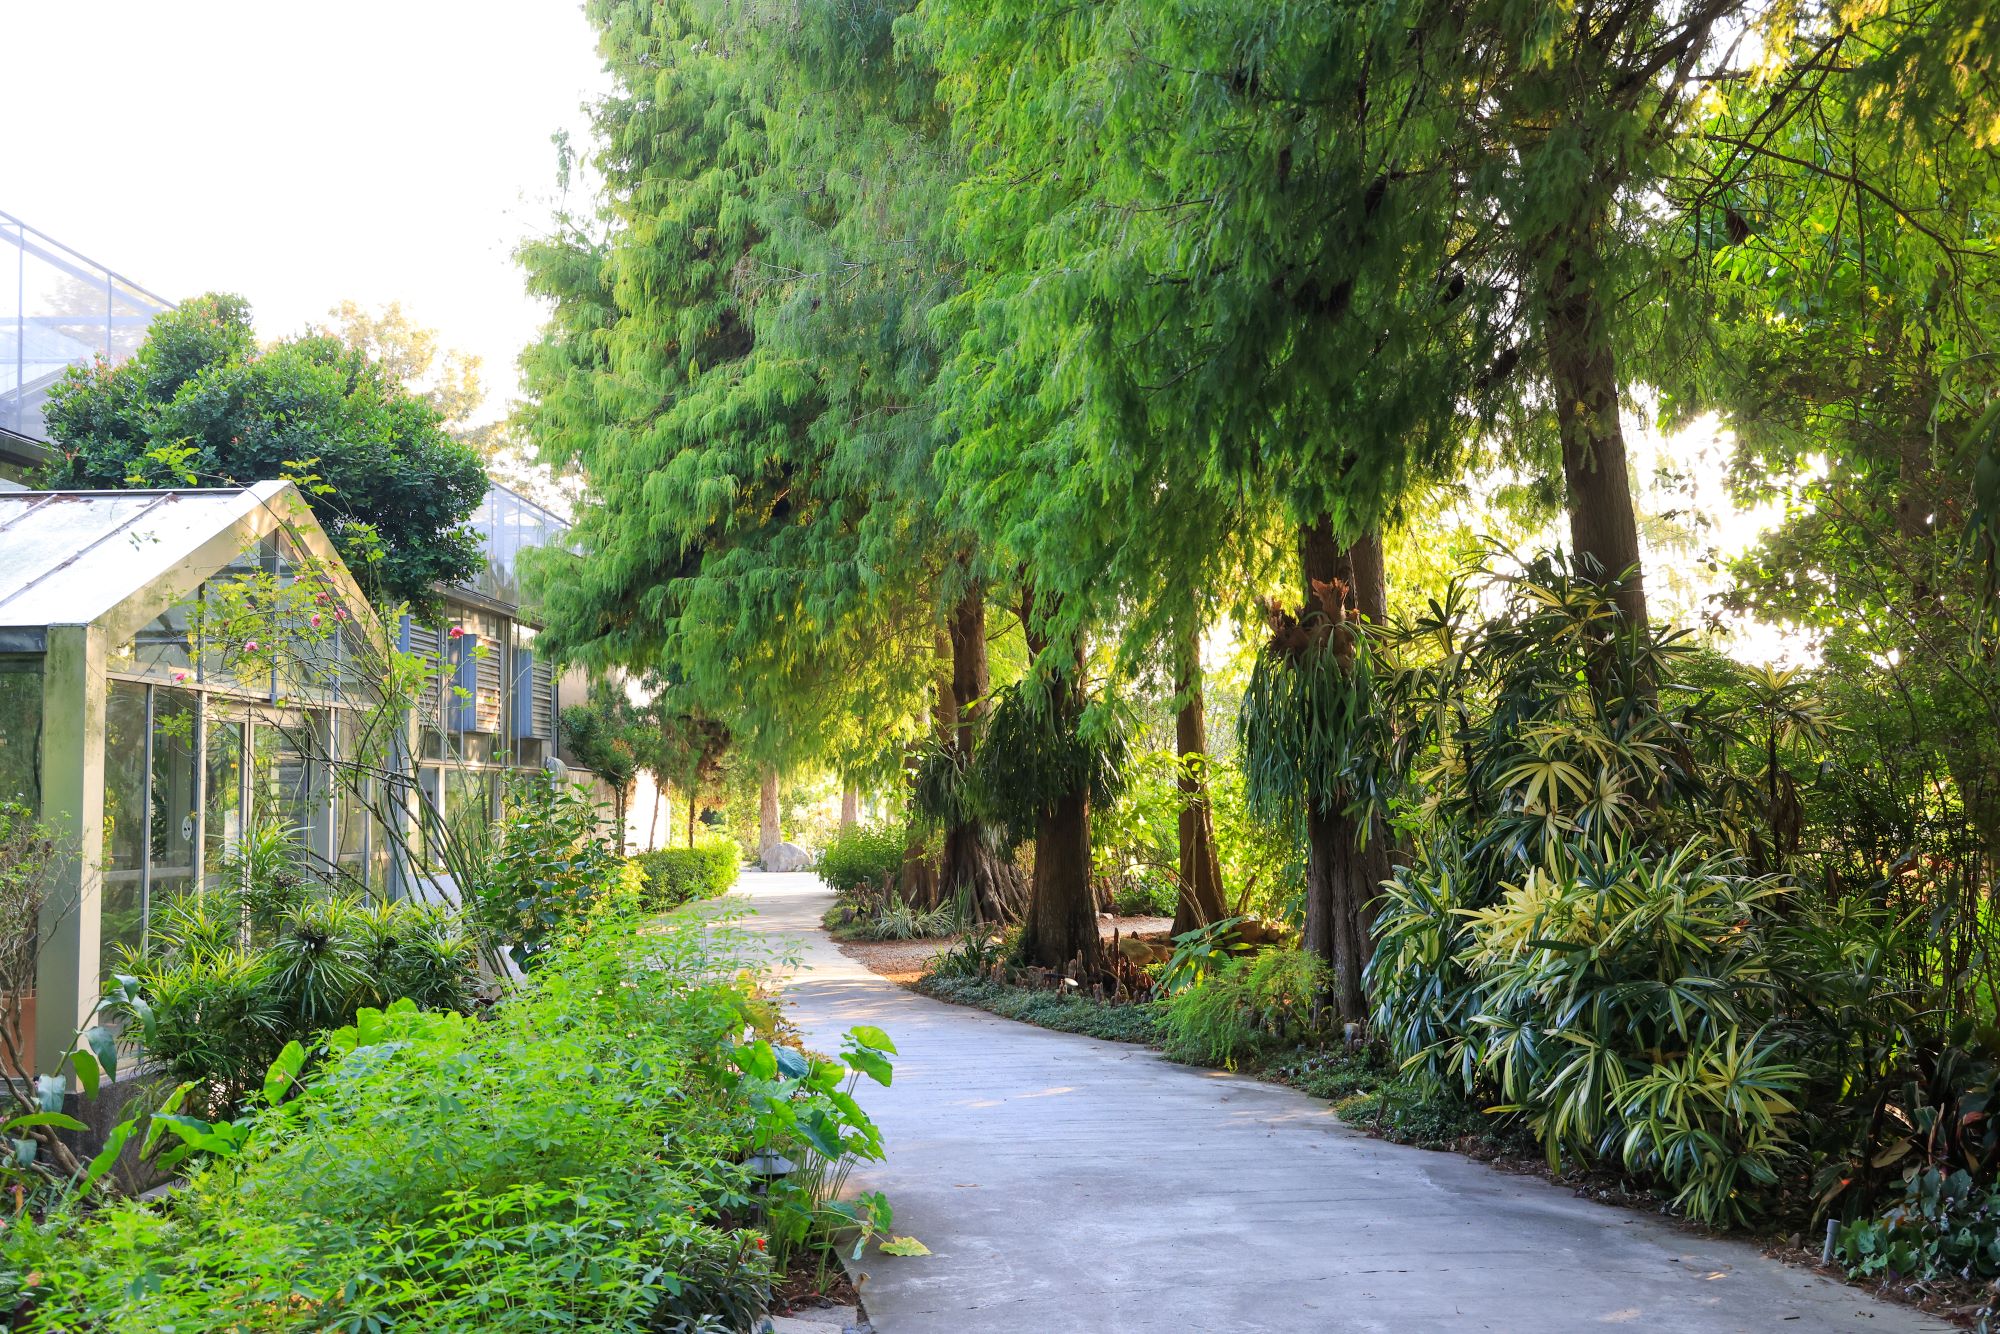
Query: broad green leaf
x=103, y=1045
x=87, y=1070
x=869, y=1063
x=904, y=1246
x=756, y=1060
x=107, y=1157
x=59, y=1120
x=284, y=1072
x=867, y=1035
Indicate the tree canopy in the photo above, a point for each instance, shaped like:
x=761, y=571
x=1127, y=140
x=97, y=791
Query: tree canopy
x=201, y=404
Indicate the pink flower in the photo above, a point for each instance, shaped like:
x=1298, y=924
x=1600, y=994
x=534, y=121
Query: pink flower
x=180, y=677
x=249, y=646
x=313, y=619
x=340, y=613
x=457, y=632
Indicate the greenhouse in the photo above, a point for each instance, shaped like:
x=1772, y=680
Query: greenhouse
x=184, y=671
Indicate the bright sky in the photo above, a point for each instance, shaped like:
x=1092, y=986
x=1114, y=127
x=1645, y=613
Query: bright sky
x=378, y=150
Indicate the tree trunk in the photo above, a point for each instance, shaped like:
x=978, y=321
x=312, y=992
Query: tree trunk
x=1201, y=899
x=768, y=834
x=850, y=806
x=1061, y=923
x=1583, y=379
x=694, y=803
x=1346, y=862
x=653, y=825
x=972, y=870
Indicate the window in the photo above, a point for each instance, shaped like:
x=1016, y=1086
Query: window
x=21, y=731
x=125, y=786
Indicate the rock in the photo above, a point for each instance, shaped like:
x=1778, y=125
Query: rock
x=824, y=1319
x=786, y=857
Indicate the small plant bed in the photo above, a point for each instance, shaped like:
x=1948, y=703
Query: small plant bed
x=1045, y=1007
x=828, y=1300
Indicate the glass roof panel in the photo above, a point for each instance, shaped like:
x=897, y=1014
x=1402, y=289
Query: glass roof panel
x=67, y=557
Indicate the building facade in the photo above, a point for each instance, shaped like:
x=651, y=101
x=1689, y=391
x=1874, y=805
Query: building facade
x=136, y=722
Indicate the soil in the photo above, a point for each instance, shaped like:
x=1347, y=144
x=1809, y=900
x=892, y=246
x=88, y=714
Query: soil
x=901, y=961
x=808, y=1284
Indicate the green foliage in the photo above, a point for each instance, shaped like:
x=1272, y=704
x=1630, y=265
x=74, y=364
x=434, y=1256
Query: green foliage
x=217, y=1011
x=1110, y=1020
x=603, y=733
x=1040, y=743
x=739, y=362
x=978, y=954
x=200, y=404
x=1334, y=1074
x=1944, y=1225
x=1135, y=840
x=575, y=1161
x=1569, y=945
x=1148, y=894
x=893, y=919
x=548, y=872
x=674, y=876
x=863, y=857
x=1623, y=1007
x=1266, y=1001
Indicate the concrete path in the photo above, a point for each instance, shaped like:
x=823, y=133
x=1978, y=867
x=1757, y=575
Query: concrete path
x=1067, y=1184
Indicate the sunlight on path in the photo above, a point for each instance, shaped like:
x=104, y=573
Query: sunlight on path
x=1067, y=1184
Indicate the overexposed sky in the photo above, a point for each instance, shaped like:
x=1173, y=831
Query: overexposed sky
x=378, y=150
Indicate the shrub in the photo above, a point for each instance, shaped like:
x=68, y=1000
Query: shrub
x=863, y=857
x=574, y=1163
x=549, y=872
x=1145, y=894
x=674, y=876
x=1944, y=1224
x=1621, y=1006
x=893, y=920
x=1268, y=1000
x=222, y=1011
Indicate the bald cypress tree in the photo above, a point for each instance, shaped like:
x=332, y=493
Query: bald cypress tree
x=740, y=362
x=1220, y=302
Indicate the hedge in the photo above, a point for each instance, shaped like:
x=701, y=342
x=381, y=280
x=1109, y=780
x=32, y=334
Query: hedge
x=680, y=875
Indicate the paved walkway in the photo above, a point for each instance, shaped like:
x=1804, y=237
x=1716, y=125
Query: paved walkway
x=1066, y=1184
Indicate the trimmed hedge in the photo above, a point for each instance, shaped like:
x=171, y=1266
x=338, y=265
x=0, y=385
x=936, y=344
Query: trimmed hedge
x=862, y=857
x=681, y=875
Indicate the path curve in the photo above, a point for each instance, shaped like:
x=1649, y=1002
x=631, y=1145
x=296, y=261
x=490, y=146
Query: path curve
x=1067, y=1185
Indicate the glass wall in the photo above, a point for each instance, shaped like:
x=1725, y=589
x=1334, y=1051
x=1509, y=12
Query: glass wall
x=21, y=730
x=224, y=803
x=176, y=796
x=58, y=309
x=509, y=524
x=126, y=772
